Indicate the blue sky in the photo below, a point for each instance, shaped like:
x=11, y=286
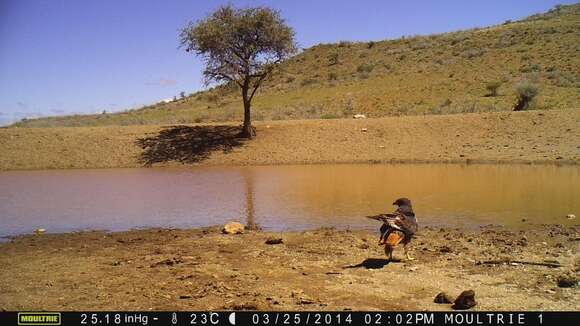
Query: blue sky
x=63, y=56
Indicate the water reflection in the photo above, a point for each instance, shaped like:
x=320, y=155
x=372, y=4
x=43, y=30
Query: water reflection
x=285, y=197
x=248, y=175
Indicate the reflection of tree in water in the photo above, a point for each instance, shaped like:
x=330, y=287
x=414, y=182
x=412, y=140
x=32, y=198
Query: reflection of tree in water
x=248, y=175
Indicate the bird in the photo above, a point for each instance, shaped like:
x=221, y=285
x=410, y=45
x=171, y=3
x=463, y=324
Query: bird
x=398, y=227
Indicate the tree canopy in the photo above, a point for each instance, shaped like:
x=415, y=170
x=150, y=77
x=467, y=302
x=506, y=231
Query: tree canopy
x=241, y=46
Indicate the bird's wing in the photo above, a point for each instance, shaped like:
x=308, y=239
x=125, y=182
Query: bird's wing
x=381, y=217
x=407, y=223
x=391, y=220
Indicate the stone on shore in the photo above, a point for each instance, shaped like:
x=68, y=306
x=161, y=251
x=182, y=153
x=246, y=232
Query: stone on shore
x=233, y=228
x=567, y=281
x=443, y=297
x=465, y=300
x=274, y=241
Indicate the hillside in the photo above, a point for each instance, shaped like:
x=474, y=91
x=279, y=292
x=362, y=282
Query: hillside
x=437, y=74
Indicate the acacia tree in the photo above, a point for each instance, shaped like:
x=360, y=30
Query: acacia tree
x=241, y=46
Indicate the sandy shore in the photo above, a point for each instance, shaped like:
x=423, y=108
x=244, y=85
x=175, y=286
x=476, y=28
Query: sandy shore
x=322, y=269
x=506, y=137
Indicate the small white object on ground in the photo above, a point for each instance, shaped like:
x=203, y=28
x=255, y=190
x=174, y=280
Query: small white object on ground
x=359, y=116
x=233, y=228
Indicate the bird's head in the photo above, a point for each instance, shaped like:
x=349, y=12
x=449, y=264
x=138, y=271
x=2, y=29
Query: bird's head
x=402, y=202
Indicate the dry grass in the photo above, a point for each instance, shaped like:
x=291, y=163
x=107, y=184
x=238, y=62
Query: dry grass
x=531, y=136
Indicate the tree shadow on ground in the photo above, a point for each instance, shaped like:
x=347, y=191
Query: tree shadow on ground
x=374, y=263
x=187, y=144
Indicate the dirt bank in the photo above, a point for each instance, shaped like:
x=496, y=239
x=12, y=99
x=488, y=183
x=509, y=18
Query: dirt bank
x=321, y=269
x=534, y=136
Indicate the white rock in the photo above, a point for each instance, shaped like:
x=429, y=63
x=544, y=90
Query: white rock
x=39, y=231
x=233, y=228
x=570, y=216
x=359, y=116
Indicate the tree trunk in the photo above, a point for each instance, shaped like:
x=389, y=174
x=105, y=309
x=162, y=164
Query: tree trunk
x=247, y=130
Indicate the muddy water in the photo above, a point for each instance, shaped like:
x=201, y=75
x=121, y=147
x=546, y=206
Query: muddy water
x=286, y=197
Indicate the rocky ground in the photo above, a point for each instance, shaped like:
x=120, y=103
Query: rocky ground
x=323, y=269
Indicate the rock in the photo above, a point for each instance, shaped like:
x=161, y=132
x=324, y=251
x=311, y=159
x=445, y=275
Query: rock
x=168, y=262
x=302, y=298
x=363, y=246
x=567, y=281
x=274, y=241
x=233, y=228
x=570, y=216
x=185, y=296
x=445, y=249
x=465, y=300
x=359, y=116
x=364, y=129
x=443, y=297
x=39, y=231
x=245, y=306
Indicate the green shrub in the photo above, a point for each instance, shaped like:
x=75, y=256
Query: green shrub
x=343, y=44
x=492, y=87
x=526, y=92
x=333, y=59
x=329, y=116
x=308, y=82
x=530, y=68
x=211, y=97
x=473, y=53
x=365, y=67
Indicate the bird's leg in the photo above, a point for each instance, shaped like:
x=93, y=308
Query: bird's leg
x=389, y=252
x=407, y=253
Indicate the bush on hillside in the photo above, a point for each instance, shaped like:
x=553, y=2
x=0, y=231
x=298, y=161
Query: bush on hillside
x=333, y=59
x=492, y=88
x=526, y=92
x=344, y=44
x=365, y=67
x=308, y=82
x=473, y=53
